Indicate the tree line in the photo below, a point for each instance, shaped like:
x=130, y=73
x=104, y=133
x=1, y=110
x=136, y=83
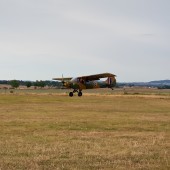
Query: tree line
x=38, y=83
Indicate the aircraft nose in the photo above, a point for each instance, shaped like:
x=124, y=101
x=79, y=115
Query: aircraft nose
x=67, y=84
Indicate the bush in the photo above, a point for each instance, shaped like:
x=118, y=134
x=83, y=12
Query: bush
x=14, y=83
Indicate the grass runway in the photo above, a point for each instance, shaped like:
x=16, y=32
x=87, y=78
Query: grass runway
x=54, y=131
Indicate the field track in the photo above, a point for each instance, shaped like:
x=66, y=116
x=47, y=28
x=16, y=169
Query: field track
x=97, y=131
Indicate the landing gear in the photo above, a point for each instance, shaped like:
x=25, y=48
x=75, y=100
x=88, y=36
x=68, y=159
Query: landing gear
x=79, y=93
x=71, y=94
x=74, y=91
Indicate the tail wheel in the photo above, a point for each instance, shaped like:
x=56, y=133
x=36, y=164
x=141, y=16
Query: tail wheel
x=71, y=94
x=79, y=93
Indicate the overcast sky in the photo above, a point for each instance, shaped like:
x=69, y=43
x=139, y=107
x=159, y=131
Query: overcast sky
x=42, y=39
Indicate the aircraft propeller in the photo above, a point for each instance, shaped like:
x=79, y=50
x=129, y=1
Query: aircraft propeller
x=63, y=82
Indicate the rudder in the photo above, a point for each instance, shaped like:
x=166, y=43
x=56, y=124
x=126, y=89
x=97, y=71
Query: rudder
x=111, y=81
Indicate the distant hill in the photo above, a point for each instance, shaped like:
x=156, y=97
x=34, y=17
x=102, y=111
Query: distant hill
x=160, y=82
x=157, y=83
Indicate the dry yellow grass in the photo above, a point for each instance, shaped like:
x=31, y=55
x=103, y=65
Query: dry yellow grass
x=92, y=132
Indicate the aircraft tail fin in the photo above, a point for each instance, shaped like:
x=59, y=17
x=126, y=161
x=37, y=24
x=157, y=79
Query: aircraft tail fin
x=111, y=81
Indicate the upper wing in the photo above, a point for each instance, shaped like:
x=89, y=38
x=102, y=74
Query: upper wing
x=96, y=76
x=63, y=79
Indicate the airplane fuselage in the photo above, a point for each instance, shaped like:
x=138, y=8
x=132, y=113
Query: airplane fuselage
x=80, y=84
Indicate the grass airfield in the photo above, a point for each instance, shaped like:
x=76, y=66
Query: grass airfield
x=120, y=129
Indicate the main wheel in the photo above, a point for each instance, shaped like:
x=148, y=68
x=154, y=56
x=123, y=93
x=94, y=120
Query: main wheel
x=79, y=93
x=71, y=94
